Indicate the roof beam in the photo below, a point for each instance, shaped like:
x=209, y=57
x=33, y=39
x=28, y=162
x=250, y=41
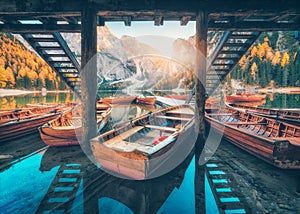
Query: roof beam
x=184, y=20
x=68, y=6
x=254, y=26
x=158, y=20
x=127, y=20
x=40, y=28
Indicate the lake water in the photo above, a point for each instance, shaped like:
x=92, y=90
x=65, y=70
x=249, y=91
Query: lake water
x=64, y=180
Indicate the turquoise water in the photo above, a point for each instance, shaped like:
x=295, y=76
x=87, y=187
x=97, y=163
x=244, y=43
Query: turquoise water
x=24, y=187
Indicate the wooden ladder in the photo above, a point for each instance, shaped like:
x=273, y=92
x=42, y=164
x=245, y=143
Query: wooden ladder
x=62, y=191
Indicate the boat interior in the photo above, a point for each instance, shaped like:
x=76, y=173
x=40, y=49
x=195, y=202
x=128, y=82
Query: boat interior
x=149, y=133
x=256, y=124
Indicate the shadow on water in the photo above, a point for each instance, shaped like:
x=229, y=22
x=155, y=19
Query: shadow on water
x=103, y=193
x=65, y=181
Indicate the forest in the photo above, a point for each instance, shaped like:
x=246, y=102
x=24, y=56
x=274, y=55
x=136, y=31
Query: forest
x=273, y=61
x=269, y=63
x=20, y=68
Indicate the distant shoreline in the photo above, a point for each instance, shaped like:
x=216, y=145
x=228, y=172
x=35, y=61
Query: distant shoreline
x=16, y=92
x=286, y=90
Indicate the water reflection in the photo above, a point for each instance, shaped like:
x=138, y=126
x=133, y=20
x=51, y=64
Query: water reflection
x=104, y=193
x=278, y=100
x=63, y=180
x=12, y=102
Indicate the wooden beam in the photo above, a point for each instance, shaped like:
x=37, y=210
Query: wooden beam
x=184, y=20
x=127, y=20
x=71, y=6
x=40, y=28
x=88, y=76
x=200, y=72
x=200, y=97
x=254, y=26
x=158, y=20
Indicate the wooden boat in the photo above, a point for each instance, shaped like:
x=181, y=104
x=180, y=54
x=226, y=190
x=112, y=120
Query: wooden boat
x=145, y=100
x=294, y=92
x=18, y=123
x=213, y=101
x=65, y=130
x=245, y=97
x=177, y=96
x=147, y=146
x=119, y=100
x=285, y=115
x=276, y=142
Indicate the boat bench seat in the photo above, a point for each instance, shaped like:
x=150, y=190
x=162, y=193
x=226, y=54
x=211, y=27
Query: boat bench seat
x=162, y=128
x=173, y=118
x=182, y=111
x=122, y=136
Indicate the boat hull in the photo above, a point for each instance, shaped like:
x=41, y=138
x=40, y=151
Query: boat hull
x=240, y=98
x=10, y=131
x=288, y=116
x=119, y=100
x=177, y=97
x=282, y=152
x=145, y=100
x=140, y=165
x=69, y=135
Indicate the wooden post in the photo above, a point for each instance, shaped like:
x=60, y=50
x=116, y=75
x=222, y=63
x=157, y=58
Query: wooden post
x=88, y=76
x=200, y=82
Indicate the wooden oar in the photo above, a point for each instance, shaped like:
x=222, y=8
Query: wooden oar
x=245, y=123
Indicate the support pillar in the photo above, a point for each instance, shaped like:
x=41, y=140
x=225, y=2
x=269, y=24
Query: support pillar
x=200, y=92
x=88, y=76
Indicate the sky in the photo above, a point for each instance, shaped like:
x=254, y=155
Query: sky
x=169, y=29
x=158, y=37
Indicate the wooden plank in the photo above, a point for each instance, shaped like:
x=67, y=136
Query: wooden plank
x=220, y=114
x=245, y=123
x=162, y=128
x=254, y=26
x=229, y=7
x=40, y=28
x=182, y=111
x=173, y=118
x=123, y=136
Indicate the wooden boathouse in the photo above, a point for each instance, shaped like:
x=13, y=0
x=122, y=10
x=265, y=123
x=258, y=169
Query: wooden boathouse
x=239, y=19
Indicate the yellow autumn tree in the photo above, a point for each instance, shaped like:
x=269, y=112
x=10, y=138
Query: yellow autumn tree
x=254, y=69
x=243, y=62
x=261, y=52
x=10, y=77
x=285, y=59
x=254, y=51
x=268, y=50
x=277, y=58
